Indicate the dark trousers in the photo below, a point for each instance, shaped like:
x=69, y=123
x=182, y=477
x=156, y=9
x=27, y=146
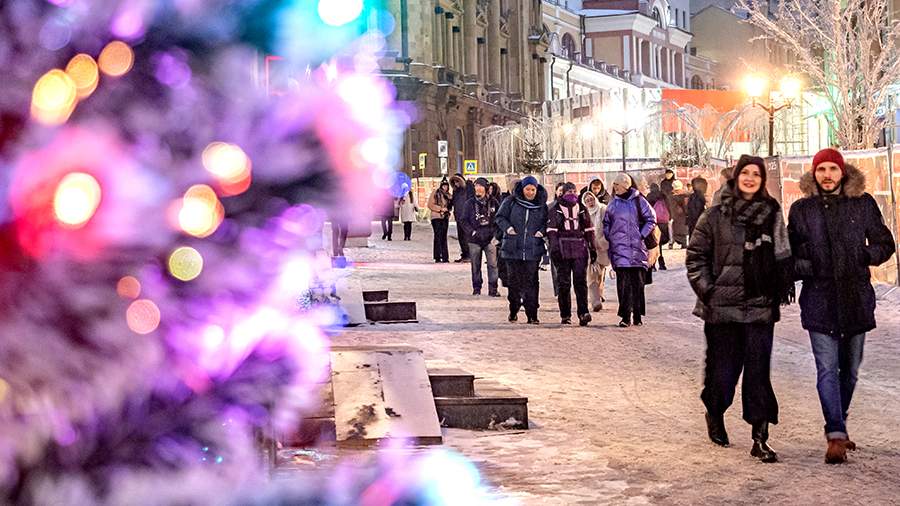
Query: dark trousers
x=569, y=273
x=440, y=226
x=462, y=237
x=630, y=289
x=387, y=226
x=730, y=348
x=523, y=286
x=407, y=230
x=338, y=238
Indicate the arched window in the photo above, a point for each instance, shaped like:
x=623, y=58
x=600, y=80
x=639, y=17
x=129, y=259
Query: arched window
x=460, y=150
x=568, y=47
x=658, y=17
x=696, y=83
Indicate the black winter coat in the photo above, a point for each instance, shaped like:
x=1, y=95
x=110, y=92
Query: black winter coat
x=526, y=218
x=463, y=190
x=715, y=267
x=480, y=220
x=695, y=207
x=835, y=240
x=570, y=230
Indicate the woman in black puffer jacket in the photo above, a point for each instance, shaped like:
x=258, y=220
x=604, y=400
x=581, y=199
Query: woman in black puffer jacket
x=523, y=219
x=739, y=265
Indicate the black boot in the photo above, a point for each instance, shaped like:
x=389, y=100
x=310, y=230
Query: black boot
x=715, y=427
x=760, y=449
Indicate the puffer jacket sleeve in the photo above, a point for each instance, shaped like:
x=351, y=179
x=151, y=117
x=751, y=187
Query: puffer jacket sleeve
x=588, y=226
x=881, y=242
x=552, y=229
x=701, y=257
x=607, y=220
x=502, y=217
x=799, y=239
x=648, y=216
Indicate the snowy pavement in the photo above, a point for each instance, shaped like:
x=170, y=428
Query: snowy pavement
x=616, y=413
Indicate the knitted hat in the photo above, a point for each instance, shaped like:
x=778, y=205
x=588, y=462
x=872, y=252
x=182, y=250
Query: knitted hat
x=829, y=155
x=746, y=160
x=482, y=182
x=529, y=180
x=677, y=185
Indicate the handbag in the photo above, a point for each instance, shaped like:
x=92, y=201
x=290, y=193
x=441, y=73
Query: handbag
x=652, y=240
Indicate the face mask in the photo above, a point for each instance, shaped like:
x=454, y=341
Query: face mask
x=570, y=198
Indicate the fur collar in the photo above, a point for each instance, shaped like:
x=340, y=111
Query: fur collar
x=854, y=183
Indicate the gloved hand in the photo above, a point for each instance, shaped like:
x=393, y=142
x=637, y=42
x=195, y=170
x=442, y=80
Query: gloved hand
x=593, y=254
x=538, y=234
x=511, y=231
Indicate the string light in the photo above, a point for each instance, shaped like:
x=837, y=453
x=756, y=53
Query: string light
x=84, y=72
x=53, y=98
x=201, y=212
x=128, y=287
x=142, y=316
x=116, y=59
x=185, y=263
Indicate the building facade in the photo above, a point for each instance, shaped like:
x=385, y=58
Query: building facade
x=464, y=65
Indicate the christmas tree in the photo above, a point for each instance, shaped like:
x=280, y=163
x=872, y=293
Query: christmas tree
x=533, y=161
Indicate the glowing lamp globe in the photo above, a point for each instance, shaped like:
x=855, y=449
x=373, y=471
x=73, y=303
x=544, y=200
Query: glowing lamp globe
x=339, y=12
x=76, y=199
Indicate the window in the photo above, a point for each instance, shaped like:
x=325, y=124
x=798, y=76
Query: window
x=676, y=16
x=696, y=83
x=684, y=19
x=658, y=18
x=568, y=47
x=460, y=150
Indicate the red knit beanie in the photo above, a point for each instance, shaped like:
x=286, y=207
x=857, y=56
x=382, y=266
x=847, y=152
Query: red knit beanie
x=829, y=155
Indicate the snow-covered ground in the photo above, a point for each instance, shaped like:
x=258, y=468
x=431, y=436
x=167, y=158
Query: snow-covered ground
x=616, y=413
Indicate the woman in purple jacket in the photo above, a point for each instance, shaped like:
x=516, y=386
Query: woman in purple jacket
x=629, y=219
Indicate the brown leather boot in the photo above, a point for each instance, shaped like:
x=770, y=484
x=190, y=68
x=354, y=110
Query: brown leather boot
x=849, y=445
x=837, y=451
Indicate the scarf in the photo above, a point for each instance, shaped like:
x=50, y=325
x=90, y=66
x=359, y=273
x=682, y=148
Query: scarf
x=766, y=259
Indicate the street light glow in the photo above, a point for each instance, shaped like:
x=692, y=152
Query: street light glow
x=339, y=12
x=790, y=88
x=755, y=85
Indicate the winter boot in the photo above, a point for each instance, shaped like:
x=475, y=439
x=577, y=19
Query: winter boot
x=715, y=427
x=566, y=321
x=760, y=449
x=584, y=319
x=849, y=445
x=837, y=451
x=598, y=307
x=513, y=317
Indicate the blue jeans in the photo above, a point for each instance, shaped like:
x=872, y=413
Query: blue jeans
x=490, y=254
x=837, y=365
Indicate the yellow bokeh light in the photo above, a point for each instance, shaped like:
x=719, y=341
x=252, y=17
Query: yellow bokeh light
x=53, y=98
x=128, y=287
x=142, y=316
x=185, y=263
x=76, y=199
x=201, y=212
x=84, y=72
x=4, y=389
x=116, y=59
x=227, y=162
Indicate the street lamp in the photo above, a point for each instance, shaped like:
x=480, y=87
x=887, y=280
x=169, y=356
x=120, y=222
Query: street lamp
x=623, y=122
x=789, y=90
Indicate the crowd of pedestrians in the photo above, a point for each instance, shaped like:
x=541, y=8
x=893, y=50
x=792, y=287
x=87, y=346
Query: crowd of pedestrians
x=742, y=260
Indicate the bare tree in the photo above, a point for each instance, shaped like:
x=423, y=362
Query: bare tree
x=847, y=51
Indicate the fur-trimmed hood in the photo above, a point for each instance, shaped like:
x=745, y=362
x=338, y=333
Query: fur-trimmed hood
x=854, y=184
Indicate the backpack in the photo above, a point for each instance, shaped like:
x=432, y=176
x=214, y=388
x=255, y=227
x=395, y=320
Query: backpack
x=662, y=211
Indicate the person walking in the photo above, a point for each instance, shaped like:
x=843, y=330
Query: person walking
x=596, y=271
x=658, y=200
x=629, y=220
x=439, y=205
x=696, y=203
x=570, y=233
x=678, y=211
x=480, y=224
x=548, y=260
x=724, y=176
x=387, y=219
x=739, y=266
x=597, y=187
x=837, y=232
x=408, y=212
x=463, y=190
x=523, y=219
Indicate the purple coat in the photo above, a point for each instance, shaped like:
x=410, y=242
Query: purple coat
x=620, y=227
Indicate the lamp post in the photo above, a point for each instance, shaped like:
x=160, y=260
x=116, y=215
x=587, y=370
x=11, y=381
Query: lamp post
x=789, y=90
x=624, y=122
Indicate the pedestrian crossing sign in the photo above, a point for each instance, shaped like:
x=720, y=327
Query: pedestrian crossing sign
x=470, y=167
